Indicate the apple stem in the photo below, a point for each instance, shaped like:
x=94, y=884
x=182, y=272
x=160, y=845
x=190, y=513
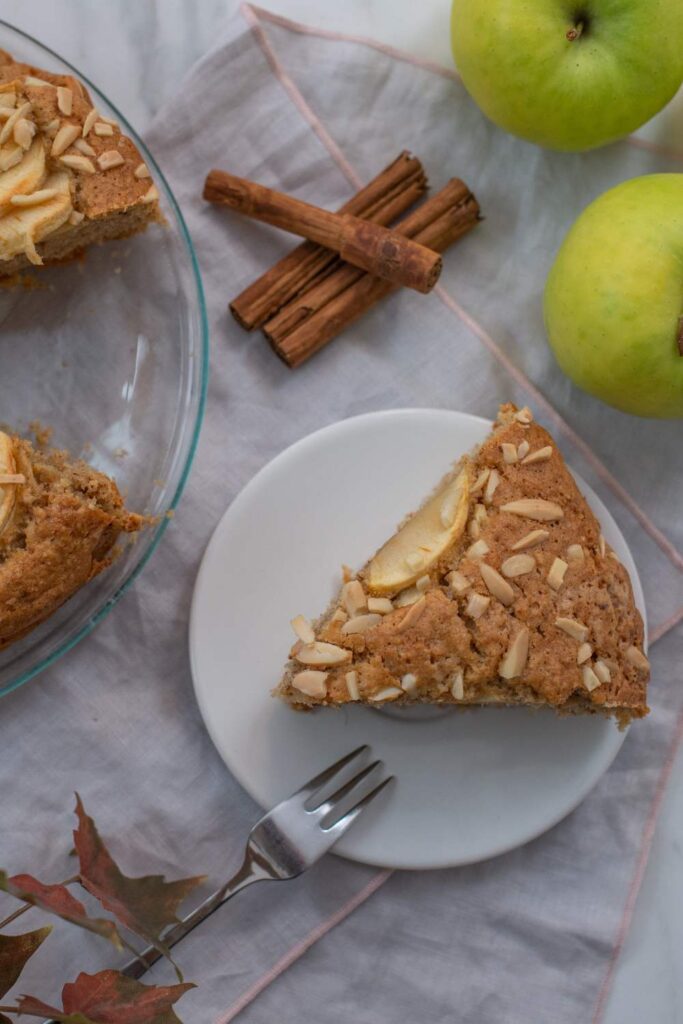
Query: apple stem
x=679, y=336
x=574, y=32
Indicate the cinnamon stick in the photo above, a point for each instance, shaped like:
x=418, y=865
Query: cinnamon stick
x=372, y=247
x=316, y=317
x=387, y=196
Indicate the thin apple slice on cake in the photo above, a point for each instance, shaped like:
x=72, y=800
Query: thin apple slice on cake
x=499, y=590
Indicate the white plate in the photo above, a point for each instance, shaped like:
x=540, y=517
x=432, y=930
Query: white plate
x=469, y=785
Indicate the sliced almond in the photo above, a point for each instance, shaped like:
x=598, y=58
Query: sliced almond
x=540, y=455
x=477, y=550
x=413, y=615
x=151, y=195
x=360, y=624
x=23, y=132
x=474, y=529
x=423, y=583
x=84, y=147
x=351, y=679
x=65, y=100
x=575, y=553
x=583, y=654
x=515, y=658
x=102, y=129
x=556, y=573
x=380, y=605
x=389, y=693
x=110, y=158
x=458, y=686
x=590, y=680
x=67, y=134
x=637, y=659
x=353, y=597
x=523, y=450
x=602, y=671
x=480, y=481
x=312, y=683
x=339, y=615
x=395, y=567
x=34, y=80
x=491, y=485
x=573, y=628
x=303, y=629
x=602, y=547
x=518, y=565
x=524, y=416
x=509, y=452
x=320, y=653
x=477, y=605
x=530, y=540
x=142, y=171
x=8, y=99
x=409, y=682
x=534, y=508
x=22, y=111
x=496, y=585
x=76, y=217
x=78, y=163
x=408, y=596
x=458, y=582
x=90, y=119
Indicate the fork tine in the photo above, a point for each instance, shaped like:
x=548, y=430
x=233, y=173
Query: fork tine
x=333, y=800
x=340, y=826
x=314, y=784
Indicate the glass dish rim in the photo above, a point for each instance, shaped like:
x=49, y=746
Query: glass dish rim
x=160, y=529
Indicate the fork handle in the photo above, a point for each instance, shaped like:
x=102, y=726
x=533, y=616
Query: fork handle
x=250, y=872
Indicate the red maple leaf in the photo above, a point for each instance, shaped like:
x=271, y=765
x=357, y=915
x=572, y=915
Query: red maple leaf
x=110, y=998
x=15, y=950
x=146, y=905
x=56, y=899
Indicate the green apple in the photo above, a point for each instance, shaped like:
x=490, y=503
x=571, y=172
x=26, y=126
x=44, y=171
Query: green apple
x=614, y=297
x=569, y=74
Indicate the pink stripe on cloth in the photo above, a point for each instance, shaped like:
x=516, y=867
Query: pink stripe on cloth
x=304, y=945
x=654, y=147
x=639, y=873
x=659, y=631
x=600, y=469
x=297, y=99
x=344, y=37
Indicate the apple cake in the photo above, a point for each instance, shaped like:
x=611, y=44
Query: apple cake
x=500, y=590
x=68, y=175
x=59, y=522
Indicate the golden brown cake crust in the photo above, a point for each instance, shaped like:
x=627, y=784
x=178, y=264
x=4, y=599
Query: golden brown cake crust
x=446, y=640
x=114, y=200
x=65, y=522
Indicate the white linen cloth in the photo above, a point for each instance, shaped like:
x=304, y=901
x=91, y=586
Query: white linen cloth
x=532, y=935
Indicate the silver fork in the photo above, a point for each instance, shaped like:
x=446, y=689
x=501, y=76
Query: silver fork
x=285, y=842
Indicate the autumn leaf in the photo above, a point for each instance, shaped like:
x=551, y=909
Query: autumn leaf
x=15, y=950
x=110, y=998
x=56, y=899
x=146, y=905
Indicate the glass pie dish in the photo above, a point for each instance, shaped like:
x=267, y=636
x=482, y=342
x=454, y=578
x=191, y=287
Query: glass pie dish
x=110, y=355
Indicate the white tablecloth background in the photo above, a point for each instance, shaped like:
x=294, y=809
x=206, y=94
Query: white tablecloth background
x=529, y=936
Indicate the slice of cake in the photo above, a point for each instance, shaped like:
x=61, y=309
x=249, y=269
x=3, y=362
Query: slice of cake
x=59, y=521
x=499, y=590
x=68, y=176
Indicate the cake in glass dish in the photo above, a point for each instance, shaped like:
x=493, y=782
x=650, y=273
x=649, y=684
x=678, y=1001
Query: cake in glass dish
x=59, y=523
x=500, y=591
x=68, y=176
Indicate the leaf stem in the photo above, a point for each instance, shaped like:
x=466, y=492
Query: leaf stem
x=17, y=913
